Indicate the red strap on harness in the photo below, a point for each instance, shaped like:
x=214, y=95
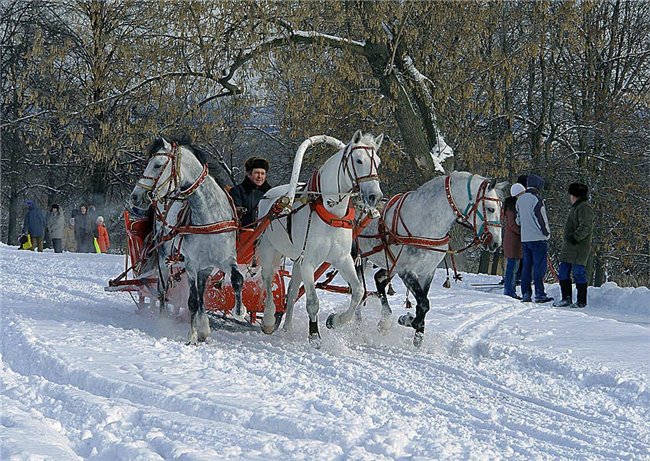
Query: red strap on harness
x=345, y=222
x=394, y=238
x=317, y=206
x=214, y=228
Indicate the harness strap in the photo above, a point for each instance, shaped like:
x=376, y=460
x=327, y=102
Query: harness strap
x=329, y=218
x=184, y=194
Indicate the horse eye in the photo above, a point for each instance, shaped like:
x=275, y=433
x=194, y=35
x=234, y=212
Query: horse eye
x=491, y=210
x=359, y=161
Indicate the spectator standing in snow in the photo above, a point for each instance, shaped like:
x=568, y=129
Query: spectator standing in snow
x=101, y=234
x=576, y=247
x=531, y=217
x=250, y=191
x=69, y=243
x=55, y=227
x=83, y=231
x=512, y=240
x=34, y=224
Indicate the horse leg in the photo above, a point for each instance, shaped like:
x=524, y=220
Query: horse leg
x=292, y=293
x=202, y=322
x=193, y=306
x=381, y=282
x=420, y=291
x=237, y=282
x=346, y=269
x=359, y=266
x=311, y=300
x=270, y=260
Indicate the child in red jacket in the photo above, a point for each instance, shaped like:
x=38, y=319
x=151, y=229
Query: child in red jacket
x=101, y=234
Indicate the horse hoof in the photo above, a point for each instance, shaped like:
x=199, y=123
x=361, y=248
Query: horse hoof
x=418, y=338
x=329, y=323
x=315, y=341
x=406, y=320
x=268, y=329
x=383, y=326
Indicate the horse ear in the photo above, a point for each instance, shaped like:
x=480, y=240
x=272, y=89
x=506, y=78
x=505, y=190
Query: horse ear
x=356, y=137
x=168, y=147
x=502, y=190
x=379, y=139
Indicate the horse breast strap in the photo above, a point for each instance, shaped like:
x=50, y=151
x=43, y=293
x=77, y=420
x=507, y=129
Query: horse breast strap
x=317, y=206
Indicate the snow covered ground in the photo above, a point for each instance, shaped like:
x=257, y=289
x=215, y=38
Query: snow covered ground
x=84, y=376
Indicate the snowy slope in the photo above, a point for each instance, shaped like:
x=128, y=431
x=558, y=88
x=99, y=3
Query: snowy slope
x=86, y=377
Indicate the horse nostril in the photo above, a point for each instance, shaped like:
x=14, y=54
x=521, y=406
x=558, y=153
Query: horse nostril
x=372, y=199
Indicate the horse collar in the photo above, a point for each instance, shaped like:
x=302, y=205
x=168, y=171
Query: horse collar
x=317, y=206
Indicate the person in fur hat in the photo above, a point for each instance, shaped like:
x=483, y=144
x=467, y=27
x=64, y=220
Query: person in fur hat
x=576, y=247
x=250, y=191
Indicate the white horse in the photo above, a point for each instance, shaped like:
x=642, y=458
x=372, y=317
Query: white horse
x=319, y=229
x=412, y=236
x=195, y=224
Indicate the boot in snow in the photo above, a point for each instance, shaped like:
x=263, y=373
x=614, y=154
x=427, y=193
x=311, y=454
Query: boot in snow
x=567, y=299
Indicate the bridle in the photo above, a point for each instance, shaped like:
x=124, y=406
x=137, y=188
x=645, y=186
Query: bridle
x=474, y=211
x=173, y=180
x=354, y=177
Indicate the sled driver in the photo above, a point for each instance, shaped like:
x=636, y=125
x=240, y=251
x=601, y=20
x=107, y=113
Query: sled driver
x=250, y=191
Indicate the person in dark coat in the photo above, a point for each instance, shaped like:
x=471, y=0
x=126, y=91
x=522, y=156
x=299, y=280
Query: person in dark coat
x=34, y=224
x=576, y=247
x=511, y=240
x=83, y=231
x=535, y=233
x=250, y=191
x=56, y=226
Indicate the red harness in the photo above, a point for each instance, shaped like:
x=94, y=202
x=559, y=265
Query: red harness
x=184, y=224
x=389, y=234
x=346, y=221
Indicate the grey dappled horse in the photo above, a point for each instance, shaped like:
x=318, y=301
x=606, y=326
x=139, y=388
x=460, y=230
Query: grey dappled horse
x=306, y=237
x=420, y=221
x=194, y=224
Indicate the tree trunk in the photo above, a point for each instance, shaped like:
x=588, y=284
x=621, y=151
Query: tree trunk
x=599, y=276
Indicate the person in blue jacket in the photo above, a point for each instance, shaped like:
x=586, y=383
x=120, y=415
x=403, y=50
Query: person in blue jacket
x=34, y=224
x=535, y=233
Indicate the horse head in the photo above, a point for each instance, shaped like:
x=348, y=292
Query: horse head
x=160, y=177
x=493, y=198
x=481, y=210
x=361, y=162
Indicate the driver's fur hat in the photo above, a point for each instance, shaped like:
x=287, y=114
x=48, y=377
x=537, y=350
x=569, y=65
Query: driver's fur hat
x=256, y=162
x=578, y=190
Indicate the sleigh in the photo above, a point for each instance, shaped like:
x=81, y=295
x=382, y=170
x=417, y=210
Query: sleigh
x=141, y=274
x=140, y=277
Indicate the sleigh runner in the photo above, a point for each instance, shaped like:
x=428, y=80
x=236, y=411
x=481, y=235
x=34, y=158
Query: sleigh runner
x=219, y=295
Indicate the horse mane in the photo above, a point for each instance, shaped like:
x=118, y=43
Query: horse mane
x=184, y=140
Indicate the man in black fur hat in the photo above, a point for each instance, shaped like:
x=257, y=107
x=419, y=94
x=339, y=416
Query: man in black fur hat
x=576, y=248
x=251, y=190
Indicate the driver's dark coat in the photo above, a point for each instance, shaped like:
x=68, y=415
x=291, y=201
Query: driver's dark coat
x=247, y=195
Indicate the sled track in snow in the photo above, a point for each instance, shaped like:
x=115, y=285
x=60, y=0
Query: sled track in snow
x=443, y=396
